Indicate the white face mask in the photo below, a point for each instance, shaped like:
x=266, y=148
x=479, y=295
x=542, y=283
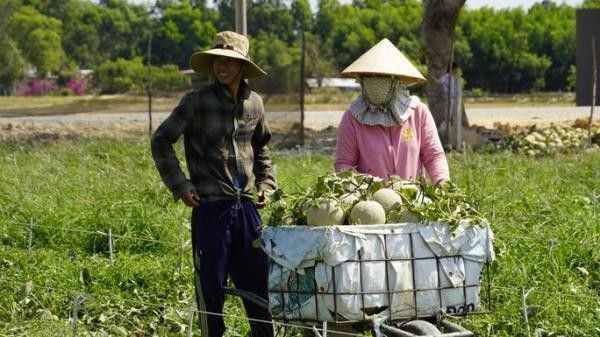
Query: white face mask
x=377, y=89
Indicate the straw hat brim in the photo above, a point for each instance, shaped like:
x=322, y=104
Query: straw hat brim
x=201, y=62
x=384, y=59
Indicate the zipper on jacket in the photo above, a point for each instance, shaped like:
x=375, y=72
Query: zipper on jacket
x=240, y=171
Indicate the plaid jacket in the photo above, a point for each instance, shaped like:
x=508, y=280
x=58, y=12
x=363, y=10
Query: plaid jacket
x=220, y=138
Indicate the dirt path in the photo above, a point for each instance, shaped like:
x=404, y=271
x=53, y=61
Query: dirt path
x=320, y=125
x=321, y=119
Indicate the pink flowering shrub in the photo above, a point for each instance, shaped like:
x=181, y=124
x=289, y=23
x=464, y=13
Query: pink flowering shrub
x=37, y=87
x=77, y=85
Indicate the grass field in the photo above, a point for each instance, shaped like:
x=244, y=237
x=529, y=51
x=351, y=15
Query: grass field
x=543, y=211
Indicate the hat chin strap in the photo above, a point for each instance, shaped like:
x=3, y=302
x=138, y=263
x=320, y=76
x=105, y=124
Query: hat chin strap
x=241, y=71
x=388, y=96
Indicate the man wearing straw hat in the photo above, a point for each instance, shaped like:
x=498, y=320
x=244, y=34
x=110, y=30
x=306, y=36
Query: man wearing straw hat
x=386, y=131
x=225, y=140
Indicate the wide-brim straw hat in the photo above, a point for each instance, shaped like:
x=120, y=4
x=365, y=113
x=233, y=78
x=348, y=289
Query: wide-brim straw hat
x=385, y=59
x=229, y=44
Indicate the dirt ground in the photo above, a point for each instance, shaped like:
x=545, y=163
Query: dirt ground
x=320, y=131
x=286, y=138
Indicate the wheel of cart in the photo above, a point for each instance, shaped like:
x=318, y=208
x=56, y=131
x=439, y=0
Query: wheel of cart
x=407, y=328
x=402, y=280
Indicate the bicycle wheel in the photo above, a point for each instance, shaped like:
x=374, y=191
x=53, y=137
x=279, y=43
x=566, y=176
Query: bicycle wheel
x=420, y=328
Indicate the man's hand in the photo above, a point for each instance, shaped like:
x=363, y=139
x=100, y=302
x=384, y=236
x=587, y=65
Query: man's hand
x=191, y=198
x=262, y=200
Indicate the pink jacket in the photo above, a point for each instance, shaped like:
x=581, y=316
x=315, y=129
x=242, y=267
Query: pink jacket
x=400, y=150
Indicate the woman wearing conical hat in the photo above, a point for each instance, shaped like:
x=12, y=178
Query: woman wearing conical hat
x=386, y=131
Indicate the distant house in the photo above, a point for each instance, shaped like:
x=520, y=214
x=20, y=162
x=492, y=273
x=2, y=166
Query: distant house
x=345, y=84
x=187, y=72
x=85, y=72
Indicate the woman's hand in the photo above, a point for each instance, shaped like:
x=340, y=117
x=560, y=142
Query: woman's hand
x=441, y=183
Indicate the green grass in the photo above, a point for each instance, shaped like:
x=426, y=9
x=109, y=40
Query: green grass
x=40, y=105
x=544, y=213
x=58, y=105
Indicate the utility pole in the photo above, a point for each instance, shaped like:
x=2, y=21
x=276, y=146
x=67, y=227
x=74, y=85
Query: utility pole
x=449, y=95
x=302, y=60
x=240, y=17
x=149, y=86
x=594, y=79
x=149, y=64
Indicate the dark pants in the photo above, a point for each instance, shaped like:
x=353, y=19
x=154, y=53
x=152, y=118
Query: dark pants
x=222, y=236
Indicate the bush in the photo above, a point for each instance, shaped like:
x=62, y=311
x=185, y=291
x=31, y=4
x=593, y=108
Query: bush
x=168, y=77
x=65, y=92
x=123, y=76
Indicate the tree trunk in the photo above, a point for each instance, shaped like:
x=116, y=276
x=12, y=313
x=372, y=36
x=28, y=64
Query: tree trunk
x=437, y=38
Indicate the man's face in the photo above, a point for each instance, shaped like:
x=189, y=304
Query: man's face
x=226, y=69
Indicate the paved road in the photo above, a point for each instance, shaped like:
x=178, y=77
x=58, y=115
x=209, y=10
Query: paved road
x=322, y=119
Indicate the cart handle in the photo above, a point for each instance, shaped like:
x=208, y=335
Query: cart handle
x=247, y=295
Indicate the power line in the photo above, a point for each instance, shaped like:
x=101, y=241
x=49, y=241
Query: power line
x=127, y=237
x=554, y=241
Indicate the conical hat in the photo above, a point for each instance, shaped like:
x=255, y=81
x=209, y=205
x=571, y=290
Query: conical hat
x=384, y=59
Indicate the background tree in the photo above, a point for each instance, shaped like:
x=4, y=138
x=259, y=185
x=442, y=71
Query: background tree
x=325, y=18
x=357, y=28
x=351, y=36
x=12, y=64
x=437, y=36
x=38, y=39
x=181, y=31
x=122, y=30
x=303, y=22
x=320, y=62
x=552, y=35
x=81, y=38
x=280, y=61
x=226, y=9
x=500, y=51
x=505, y=59
x=591, y=4
x=302, y=15
x=271, y=17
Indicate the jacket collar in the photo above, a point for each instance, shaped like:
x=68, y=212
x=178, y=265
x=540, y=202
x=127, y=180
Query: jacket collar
x=243, y=92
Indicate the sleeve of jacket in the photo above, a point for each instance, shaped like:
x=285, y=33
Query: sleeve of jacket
x=163, y=152
x=346, y=151
x=432, y=152
x=263, y=167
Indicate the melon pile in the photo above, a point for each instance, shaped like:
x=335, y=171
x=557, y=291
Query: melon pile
x=535, y=141
x=348, y=198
